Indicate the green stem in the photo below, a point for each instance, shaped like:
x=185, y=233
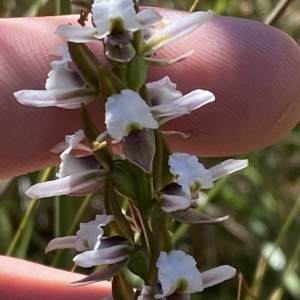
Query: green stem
x=263, y=265
x=74, y=225
x=292, y=266
x=277, y=12
x=157, y=162
x=31, y=209
x=154, y=247
x=194, y=5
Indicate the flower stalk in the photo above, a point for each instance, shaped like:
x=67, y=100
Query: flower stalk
x=129, y=161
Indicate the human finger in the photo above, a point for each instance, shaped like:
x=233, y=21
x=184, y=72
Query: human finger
x=25, y=280
x=244, y=63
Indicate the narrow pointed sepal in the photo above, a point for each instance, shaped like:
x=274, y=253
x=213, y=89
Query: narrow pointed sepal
x=193, y=216
x=227, y=167
x=105, y=273
x=61, y=243
x=81, y=184
x=217, y=275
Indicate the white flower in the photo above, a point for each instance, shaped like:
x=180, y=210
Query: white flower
x=110, y=17
x=77, y=175
x=97, y=250
x=126, y=112
x=192, y=175
x=64, y=87
x=88, y=237
x=168, y=103
x=177, y=272
x=111, y=250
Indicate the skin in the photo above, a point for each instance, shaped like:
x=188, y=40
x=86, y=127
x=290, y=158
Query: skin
x=244, y=63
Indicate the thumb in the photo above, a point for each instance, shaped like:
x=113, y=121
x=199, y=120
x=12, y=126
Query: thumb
x=253, y=69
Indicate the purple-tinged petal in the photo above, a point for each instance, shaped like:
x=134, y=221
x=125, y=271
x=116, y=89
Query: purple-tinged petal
x=74, y=165
x=193, y=216
x=103, y=256
x=139, y=148
x=162, y=91
x=88, y=181
x=105, y=273
x=172, y=203
x=172, y=198
x=67, y=242
x=123, y=55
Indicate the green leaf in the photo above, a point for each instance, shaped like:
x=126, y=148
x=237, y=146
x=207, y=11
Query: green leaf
x=140, y=262
x=86, y=63
x=161, y=173
x=130, y=181
x=136, y=73
x=109, y=84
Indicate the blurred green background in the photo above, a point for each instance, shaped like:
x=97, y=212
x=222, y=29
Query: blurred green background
x=261, y=239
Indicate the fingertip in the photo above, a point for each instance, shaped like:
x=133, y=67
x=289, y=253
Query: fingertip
x=25, y=280
x=253, y=70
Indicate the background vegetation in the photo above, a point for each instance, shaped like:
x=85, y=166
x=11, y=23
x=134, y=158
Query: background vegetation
x=261, y=238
